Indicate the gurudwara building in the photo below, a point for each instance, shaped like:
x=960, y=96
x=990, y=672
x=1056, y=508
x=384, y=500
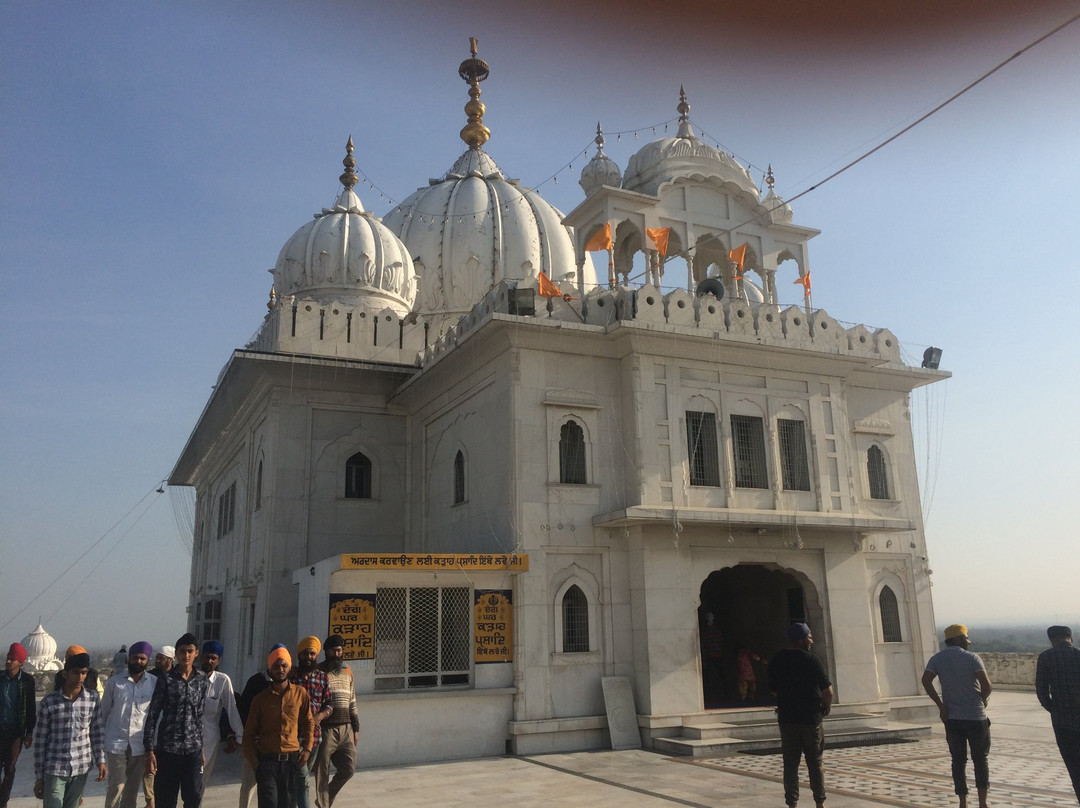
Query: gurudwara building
x=514, y=482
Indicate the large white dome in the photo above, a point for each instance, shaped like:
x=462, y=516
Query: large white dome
x=40, y=650
x=347, y=255
x=474, y=228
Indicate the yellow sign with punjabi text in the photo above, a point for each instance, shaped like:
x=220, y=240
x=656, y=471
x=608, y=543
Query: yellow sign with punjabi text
x=473, y=562
x=352, y=617
x=493, y=625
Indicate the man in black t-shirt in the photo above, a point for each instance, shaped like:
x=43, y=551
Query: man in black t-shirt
x=804, y=696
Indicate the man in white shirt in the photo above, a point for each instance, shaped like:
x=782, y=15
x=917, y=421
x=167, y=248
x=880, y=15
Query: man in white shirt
x=123, y=709
x=220, y=702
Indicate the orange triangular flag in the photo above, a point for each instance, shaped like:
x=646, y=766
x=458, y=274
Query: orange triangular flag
x=545, y=288
x=658, y=237
x=804, y=281
x=738, y=255
x=601, y=240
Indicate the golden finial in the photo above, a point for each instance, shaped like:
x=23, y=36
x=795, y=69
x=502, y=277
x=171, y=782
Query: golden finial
x=273, y=299
x=769, y=178
x=474, y=71
x=349, y=178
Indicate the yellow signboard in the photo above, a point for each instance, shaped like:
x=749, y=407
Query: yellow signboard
x=493, y=625
x=352, y=617
x=474, y=562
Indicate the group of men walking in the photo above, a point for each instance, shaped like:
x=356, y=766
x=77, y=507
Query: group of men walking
x=158, y=731
x=804, y=697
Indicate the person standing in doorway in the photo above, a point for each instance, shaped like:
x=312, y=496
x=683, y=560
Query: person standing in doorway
x=341, y=731
x=174, y=746
x=123, y=712
x=965, y=691
x=69, y=738
x=18, y=714
x=220, y=701
x=804, y=696
x=1057, y=684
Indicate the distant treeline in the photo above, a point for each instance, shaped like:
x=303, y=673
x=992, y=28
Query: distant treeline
x=1008, y=639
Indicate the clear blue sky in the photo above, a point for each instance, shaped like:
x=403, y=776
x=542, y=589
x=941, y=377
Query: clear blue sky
x=155, y=157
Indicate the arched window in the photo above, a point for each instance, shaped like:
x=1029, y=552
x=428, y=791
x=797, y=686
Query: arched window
x=572, y=454
x=575, y=618
x=258, y=486
x=459, y=478
x=876, y=473
x=358, y=477
x=890, y=616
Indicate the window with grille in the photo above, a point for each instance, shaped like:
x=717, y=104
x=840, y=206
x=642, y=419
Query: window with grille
x=459, y=478
x=423, y=637
x=794, y=467
x=572, y=454
x=575, y=618
x=226, y=511
x=358, y=477
x=701, y=448
x=875, y=472
x=748, y=442
x=211, y=622
x=890, y=616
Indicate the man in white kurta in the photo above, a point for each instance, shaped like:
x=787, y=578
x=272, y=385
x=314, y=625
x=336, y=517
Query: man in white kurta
x=220, y=702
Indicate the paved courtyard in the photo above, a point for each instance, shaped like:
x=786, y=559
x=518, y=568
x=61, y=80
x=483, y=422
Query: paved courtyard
x=1025, y=770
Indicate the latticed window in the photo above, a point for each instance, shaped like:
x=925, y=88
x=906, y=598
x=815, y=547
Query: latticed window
x=748, y=442
x=701, y=448
x=572, y=453
x=459, y=478
x=795, y=469
x=890, y=616
x=358, y=477
x=876, y=473
x=423, y=636
x=575, y=619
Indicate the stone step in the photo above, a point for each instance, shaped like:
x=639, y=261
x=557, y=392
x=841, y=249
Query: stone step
x=764, y=726
x=892, y=732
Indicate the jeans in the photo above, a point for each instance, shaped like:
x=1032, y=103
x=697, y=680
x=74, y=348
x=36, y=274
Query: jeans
x=178, y=774
x=960, y=734
x=303, y=775
x=798, y=741
x=64, y=792
x=274, y=779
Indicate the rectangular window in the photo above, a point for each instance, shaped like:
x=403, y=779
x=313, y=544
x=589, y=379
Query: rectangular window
x=794, y=467
x=748, y=441
x=211, y=626
x=701, y=448
x=226, y=511
x=423, y=637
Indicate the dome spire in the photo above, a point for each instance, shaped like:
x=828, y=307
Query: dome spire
x=599, y=140
x=684, y=115
x=474, y=71
x=770, y=180
x=349, y=177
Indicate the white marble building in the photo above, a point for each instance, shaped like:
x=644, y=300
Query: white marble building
x=645, y=453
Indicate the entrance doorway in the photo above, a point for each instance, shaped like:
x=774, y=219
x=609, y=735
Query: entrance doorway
x=742, y=616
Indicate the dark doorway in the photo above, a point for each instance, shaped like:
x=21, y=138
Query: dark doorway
x=750, y=606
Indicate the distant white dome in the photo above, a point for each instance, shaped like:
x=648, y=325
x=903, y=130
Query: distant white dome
x=684, y=156
x=347, y=255
x=779, y=211
x=473, y=228
x=41, y=650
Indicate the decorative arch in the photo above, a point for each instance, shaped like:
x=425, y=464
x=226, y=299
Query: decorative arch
x=572, y=455
x=575, y=612
x=889, y=601
x=358, y=476
x=879, y=480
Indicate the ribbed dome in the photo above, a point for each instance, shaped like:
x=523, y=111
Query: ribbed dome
x=40, y=650
x=347, y=255
x=600, y=170
x=684, y=156
x=474, y=228
x=779, y=211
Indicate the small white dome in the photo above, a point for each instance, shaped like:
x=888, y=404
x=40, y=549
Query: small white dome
x=779, y=211
x=684, y=156
x=600, y=170
x=40, y=650
x=346, y=254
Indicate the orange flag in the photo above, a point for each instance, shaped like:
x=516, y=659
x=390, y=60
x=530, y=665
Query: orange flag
x=545, y=288
x=601, y=240
x=738, y=255
x=658, y=237
x=804, y=281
